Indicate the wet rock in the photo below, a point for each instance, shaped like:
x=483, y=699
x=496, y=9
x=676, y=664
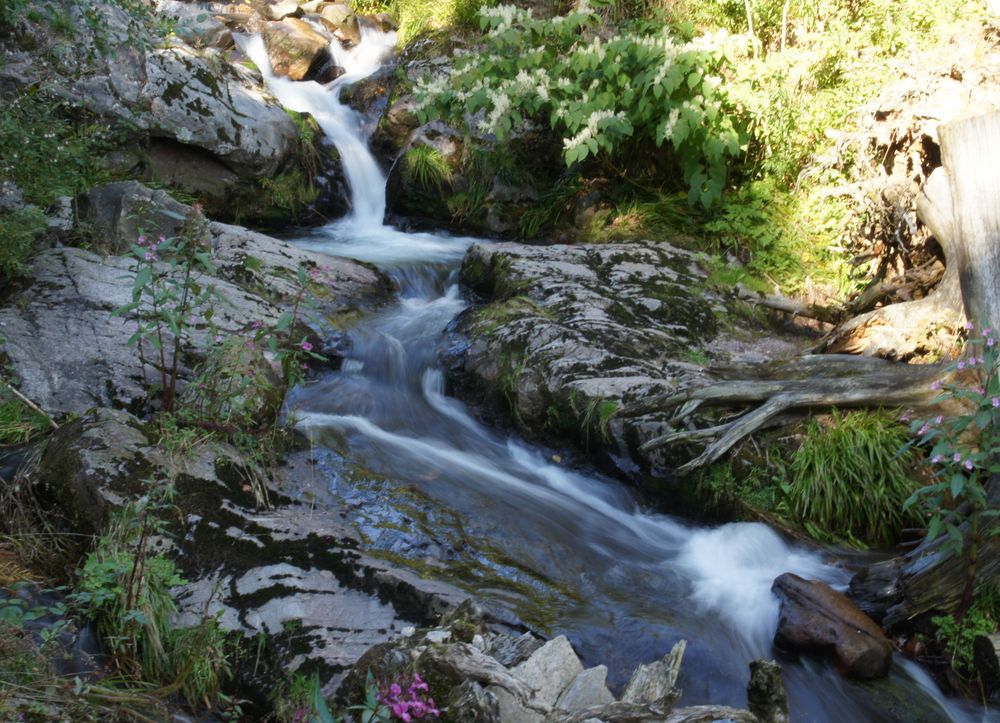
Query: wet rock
x=384, y=22
x=588, y=689
x=815, y=618
x=298, y=51
x=340, y=20
x=766, y=692
x=656, y=681
x=291, y=572
x=578, y=338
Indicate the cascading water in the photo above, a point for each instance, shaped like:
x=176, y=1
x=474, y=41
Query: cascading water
x=622, y=583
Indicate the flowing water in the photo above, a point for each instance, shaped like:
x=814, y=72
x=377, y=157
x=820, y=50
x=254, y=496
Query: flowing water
x=566, y=549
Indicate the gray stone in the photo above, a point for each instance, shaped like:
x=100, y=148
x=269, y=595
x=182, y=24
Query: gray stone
x=117, y=213
x=509, y=650
x=195, y=25
x=656, y=681
x=549, y=670
x=589, y=688
x=63, y=340
x=11, y=198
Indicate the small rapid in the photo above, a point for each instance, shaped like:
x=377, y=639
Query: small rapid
x=622, y=582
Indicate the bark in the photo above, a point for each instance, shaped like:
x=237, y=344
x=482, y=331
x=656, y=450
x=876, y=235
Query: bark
x=970, y=150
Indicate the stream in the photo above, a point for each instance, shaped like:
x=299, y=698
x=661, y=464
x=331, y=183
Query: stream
x=565, y=548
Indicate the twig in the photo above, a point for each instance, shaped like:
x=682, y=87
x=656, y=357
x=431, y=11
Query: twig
x=31, y=404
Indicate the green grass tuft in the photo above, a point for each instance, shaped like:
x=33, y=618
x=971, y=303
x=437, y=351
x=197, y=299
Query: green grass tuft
x=426, y=167
x=850, y=477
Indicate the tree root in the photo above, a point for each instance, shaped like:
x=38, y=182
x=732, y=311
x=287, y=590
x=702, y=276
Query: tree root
x=832, y=381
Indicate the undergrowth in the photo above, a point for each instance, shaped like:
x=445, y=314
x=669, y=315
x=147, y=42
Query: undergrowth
x=849, y=479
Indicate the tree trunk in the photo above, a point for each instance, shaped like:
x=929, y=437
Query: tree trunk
x=970, y=151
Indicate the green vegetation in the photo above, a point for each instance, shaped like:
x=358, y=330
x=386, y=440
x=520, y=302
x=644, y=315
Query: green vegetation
x=417, y=17
x=604, y=98
x=846, y=482
x=426, y=167
x=964, y=448
x=48, y=150
x=850, y=480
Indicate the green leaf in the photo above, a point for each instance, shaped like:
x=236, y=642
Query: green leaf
x=142, y=278
x=957, y=485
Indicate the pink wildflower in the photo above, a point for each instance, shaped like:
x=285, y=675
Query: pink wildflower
x=306, y=346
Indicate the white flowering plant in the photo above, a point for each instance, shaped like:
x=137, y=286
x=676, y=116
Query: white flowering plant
x=600, y=93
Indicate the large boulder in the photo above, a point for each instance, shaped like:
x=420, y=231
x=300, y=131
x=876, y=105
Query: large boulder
x=299, y=51
x=197, y=120
x=294, y=575
x=815, y=618
x=62, y=339
x=116, y=214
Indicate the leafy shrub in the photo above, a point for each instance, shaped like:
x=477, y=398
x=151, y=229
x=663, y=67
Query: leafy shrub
x=47, y=151
x=957, y=637
x=17, y=231
x=604, y=96
x=849, y=478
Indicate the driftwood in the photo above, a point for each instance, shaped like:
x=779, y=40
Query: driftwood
x=811, y=382
x=826, y=314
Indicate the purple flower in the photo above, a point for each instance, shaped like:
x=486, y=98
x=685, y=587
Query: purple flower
x=936, y=459
x=395, y=691
x=217, y=338
x=141, y=241
x=936, y=385
x=306, y=346
x=968, y=464
x=968, y=326
x=957, y=457
x=961, y=365
x=150, y=256
x=256, y=324
x=938, y=419
x=924, y=430
x=995, y=402
x=990, y=341
x=250, y=345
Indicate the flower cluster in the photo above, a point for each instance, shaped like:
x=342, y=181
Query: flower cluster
x=149, y=248
x=963, y=446
x=408, y=699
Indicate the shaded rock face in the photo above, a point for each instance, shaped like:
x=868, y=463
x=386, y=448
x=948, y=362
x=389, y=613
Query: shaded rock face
x=293, y=572
x=117, y=213
x=576, y=337
x=815, y=618
x=62, y=339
